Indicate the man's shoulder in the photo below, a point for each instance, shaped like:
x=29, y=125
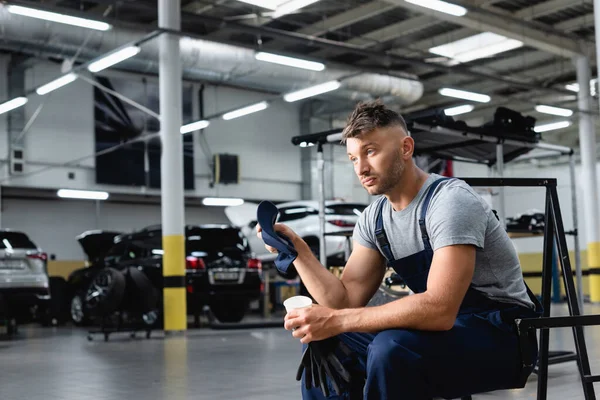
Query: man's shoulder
x=455, y=188
x=369, y=214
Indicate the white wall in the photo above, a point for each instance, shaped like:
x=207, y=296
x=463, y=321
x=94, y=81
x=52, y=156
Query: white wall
x=269, y=163
x=54, y=224
x=64, y=131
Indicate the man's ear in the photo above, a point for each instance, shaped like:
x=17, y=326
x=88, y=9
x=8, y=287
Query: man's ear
x=408, y=147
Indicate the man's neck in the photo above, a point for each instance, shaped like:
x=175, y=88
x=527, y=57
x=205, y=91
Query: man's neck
x=408, y=188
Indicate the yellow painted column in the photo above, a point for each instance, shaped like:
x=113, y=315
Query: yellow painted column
x=593, y=258
x=174, y=295
x=171, y=174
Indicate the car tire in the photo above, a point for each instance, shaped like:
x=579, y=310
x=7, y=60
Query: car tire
x=229, y=310
x=78, y=311
x=143, y=297
x=105, y=293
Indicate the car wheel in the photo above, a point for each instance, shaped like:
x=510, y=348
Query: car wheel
x=78, y=313
x=229, y=311
x=105, y=293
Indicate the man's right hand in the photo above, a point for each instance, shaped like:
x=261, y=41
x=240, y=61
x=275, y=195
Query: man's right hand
x=284, y=230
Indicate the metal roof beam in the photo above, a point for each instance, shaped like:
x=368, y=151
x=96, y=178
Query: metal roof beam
x=548, y=7
x=486, y=21
x=347, y=18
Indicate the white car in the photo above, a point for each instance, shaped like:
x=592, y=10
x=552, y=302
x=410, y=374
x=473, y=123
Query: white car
x=303, y=217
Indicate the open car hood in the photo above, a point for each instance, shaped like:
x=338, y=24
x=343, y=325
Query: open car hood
x=241, y=216
x=96, y=244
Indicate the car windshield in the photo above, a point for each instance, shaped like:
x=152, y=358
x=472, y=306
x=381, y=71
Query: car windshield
x=345, y=209
x=15, y=240
x=216, y=239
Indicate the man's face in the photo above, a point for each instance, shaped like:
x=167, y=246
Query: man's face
x=377, y=159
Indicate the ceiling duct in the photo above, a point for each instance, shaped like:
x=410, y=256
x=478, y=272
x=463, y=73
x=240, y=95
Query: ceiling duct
x=200, y=59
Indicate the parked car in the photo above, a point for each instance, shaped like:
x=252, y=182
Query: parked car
x=303, y=218
x=24, y=282
x=220, y=271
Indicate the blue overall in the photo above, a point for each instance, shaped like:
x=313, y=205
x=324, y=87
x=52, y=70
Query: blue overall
x=480, y=353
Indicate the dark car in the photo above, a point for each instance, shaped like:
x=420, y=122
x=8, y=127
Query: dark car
x=220, y=270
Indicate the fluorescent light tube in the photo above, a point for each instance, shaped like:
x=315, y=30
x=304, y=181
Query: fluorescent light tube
x=312, y=91
x=553, y=126
x=222, y=201
x=113, y=58
x=574, y=87
x=82, y=194
x=477, y=46
x=55, y=84
x=467, y=108
x=562, y=112
x=12, y=104
x=194, y=126
x=289, y=61
x=291, y=6
x=440, y=6
x=61, y=18
x=270, y=4
x=462, y=94
x=245, y=110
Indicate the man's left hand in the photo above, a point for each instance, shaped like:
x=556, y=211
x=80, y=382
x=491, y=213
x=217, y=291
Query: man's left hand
x=313, y=323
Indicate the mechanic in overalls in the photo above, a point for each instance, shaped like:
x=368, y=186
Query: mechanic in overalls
x=455, y=335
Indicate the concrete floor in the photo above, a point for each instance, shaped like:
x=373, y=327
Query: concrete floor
x=60, y=363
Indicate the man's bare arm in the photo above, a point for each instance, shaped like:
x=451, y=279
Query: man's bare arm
x=360, y=279
x=436, y=309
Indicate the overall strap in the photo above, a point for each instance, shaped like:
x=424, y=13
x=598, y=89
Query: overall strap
x=382, y=240
x=424, y=207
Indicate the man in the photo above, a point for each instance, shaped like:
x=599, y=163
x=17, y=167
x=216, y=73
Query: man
x=455, y=335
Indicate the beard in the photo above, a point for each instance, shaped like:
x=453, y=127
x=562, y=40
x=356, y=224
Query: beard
x=389, y=180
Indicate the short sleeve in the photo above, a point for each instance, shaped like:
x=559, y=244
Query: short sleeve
x=456, y=216
x=364, y=231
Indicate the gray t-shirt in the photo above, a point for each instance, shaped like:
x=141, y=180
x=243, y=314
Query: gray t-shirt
x=456, y=215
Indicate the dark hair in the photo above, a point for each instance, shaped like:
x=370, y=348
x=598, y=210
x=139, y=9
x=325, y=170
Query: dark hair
x=368, y=116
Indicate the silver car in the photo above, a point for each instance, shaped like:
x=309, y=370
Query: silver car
x=24, y=279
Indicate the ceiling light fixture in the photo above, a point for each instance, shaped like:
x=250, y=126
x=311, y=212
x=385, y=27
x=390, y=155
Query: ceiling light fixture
x=441, y=6
x=463, y=94
x=312, y=91
x=12, y=104
x=56, y=84
x=194, y=126
x=291, y=6
x=245, y=110
x=552, y=126
x=60, y=18
x=113, y=58
x=467, y=108
x=289, y=61
x=475, y=47
x=562, y=112
x=222, y=201
x=82, y=194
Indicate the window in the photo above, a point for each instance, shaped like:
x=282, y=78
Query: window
x=216, y=239
x=15, y=240
x=294, y=213
x=346, y=209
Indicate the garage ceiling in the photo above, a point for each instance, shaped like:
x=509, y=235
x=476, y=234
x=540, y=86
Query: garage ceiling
x=394, y=37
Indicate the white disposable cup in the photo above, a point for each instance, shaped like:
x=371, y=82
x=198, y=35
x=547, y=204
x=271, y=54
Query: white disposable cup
x=297, y=302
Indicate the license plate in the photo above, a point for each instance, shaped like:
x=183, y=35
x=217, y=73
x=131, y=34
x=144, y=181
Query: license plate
x=11, y=264
x=226, y=276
